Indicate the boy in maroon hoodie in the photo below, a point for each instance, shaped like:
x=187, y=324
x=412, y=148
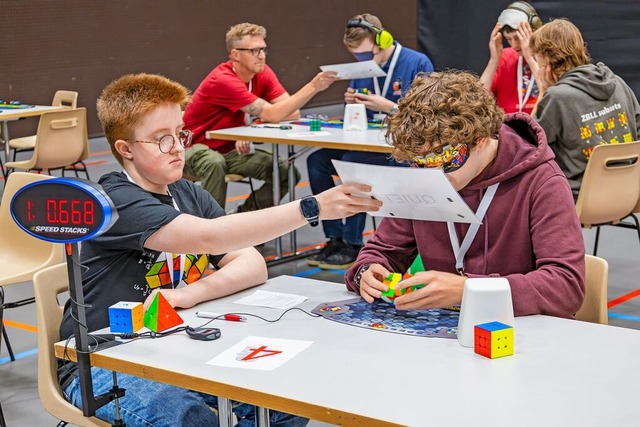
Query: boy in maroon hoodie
x=530, y=233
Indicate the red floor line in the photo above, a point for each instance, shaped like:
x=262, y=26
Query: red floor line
x=623, y=298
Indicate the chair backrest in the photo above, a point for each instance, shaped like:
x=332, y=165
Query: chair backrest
x=594, y=308
x=47, y=285
x=66, y=98
x=21, y=254
x=62, y=139
x=610, y=186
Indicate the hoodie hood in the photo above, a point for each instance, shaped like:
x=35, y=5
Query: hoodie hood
x=598, y=81
x=522, y=146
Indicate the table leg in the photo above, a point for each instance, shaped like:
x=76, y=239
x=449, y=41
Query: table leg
x=5, y=138
x=225, y=412
x=293, y=239
x=276, y=193
x=262, y=417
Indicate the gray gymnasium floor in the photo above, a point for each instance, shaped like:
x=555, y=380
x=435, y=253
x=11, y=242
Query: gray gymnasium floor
x=18, y=383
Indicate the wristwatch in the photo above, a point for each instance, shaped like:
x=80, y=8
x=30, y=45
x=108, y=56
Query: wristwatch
x=358, y=277
x=394, y=109
x=310, y=210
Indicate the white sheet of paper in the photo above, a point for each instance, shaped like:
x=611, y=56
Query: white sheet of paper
x=355, y=70
x=272, y=299
x=261, y=353
x=411, y=193
x=308, y=134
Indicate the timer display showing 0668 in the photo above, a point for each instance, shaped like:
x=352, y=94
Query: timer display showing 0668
x=63, y=212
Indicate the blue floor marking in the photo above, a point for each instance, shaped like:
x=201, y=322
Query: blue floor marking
x=316, y=271
x=624, y=317
x=18, y=356
x=307, y=272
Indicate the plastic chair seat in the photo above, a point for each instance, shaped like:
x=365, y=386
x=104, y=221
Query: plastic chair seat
x=24, y=143
x=27, y=143
x=594, y=308
x=47, y=285
x=610, y=189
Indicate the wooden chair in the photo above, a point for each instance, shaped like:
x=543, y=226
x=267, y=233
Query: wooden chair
x=47, y=285
x=62, y=98
x=21, y=255
x=61, y=143
x=610, y=187
x=594, y=308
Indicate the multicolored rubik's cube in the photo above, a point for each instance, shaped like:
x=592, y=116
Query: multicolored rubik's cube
x=493, y=339
x=126, y=317
x=392, y=281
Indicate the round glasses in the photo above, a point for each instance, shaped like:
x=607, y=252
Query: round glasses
x=254, y=51
x=167, y=142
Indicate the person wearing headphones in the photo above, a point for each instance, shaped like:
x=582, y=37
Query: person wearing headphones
x=511, y=72
x=366, y=39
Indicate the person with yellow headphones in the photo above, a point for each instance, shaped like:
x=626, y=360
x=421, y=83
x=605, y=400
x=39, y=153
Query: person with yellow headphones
x=366, y=39
x=511, y=72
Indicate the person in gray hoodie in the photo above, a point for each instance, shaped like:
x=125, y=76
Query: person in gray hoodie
x=582, y=104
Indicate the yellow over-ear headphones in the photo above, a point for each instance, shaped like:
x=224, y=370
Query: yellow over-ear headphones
x=383, y=38
x=532, y=16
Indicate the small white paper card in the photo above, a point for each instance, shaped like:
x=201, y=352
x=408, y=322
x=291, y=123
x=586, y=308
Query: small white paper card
x=308, y=134
x=411, y=193
x=265, y=354
x=272, y=299
x=355, y=70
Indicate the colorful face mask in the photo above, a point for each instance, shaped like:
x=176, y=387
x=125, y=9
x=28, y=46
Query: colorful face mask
x=451, y=158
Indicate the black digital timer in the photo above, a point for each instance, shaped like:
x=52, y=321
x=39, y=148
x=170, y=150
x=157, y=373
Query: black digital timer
x=63, y=210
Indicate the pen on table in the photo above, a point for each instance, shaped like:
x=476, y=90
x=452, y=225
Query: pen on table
x=229, y=317
x=282, y=127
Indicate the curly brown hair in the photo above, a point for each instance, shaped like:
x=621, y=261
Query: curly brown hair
x=439, y=109
x=125, y=101
x=562, y=44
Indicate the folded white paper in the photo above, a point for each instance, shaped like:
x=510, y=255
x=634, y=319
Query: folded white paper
x=355, y=70
x=411, y=193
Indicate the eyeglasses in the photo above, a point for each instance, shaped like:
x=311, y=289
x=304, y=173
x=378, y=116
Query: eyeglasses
x=167, y=142
x=317, y=116
x=255, y=51
x=450, y=158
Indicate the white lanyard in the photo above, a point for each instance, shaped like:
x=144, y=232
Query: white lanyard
x=461, y=251
x=523, y=102
x=247, y=116
x=176, y=273
x=389, y=76
x=169, y=256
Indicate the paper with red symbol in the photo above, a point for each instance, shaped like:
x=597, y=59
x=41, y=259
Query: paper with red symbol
x=260, y=353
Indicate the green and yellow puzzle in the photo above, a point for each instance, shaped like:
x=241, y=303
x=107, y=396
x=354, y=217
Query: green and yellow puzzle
x=392, y=281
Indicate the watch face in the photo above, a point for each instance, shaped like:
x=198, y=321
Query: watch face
x=310, y=209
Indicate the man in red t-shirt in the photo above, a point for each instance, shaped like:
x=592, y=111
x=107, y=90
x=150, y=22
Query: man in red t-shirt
x=510, y=73
x=233, y=94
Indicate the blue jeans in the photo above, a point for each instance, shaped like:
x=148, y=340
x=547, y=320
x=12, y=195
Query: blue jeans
x=149, y=403
x=320, y=177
